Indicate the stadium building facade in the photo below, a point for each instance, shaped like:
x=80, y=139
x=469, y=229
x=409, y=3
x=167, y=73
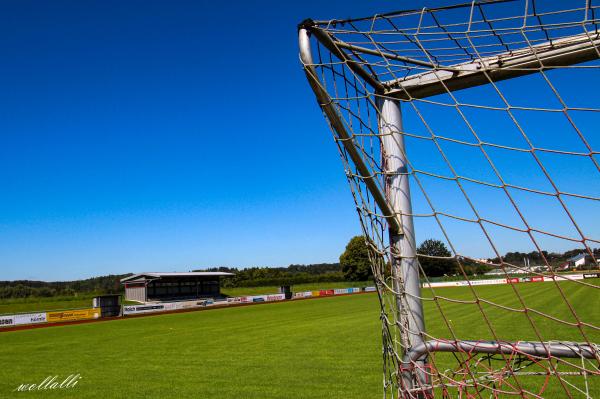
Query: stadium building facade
x=159, y=286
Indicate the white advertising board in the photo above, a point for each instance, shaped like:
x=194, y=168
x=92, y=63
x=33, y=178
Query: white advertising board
x=7, y=321
x=22, y=319
x=166, y=306
x=137, y=309
x=533, y=279
x=30, y=318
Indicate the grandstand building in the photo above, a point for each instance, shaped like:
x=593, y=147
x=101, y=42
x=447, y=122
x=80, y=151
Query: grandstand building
x=157, y=286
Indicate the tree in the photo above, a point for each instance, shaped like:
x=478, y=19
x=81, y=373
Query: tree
x=355, y=260
x=435, y=267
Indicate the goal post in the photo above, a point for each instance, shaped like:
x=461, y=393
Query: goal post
x=367, y=73
x=403, y=249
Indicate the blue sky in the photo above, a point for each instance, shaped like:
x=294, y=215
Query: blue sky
x=164, y=135
x=155, y=135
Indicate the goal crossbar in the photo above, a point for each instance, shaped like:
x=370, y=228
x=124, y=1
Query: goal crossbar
x=558, y=53
x=440, y=79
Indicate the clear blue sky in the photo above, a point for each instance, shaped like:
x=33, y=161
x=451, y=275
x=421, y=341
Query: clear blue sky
x=164, y=135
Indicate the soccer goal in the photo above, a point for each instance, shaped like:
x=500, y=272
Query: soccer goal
x=469, y=136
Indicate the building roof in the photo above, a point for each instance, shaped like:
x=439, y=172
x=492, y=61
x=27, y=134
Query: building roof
x=576, y=257
x=173, y=274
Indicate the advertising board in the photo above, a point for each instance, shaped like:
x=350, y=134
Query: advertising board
x=7, y=321
x=73, y=315
x=22, y=319
x=135, y=309
x=30, y=318
x=304, y=294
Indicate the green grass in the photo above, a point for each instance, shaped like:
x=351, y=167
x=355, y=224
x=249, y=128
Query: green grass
x=323, y=348
x=282, y=350
x=21, y=305
x=508, y=324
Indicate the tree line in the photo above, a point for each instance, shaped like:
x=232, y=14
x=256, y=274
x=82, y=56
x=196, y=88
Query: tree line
x=436, y=260
x=109, y=284
x=535, y=258
x=434, y=257
x=290, y=275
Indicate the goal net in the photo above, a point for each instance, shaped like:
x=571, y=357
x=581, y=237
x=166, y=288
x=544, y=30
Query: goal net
x=469, y=136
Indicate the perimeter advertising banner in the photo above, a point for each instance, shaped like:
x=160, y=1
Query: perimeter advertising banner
x=134, y=309
x=30, y=318
x=73, y=315
x=591, y=275
x=343, y=291
x=167, y=306
x=21, y=319
x=7, y=321
x=305, y=294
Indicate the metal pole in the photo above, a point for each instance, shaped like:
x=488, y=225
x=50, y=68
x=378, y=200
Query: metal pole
x=405, y=267
x=326, y=104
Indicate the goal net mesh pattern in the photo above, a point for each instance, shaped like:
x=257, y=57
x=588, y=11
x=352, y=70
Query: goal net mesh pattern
x=500, y=127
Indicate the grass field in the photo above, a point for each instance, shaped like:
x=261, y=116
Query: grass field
x=21, y=305
x=323, y=348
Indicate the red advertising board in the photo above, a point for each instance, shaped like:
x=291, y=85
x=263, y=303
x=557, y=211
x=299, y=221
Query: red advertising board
x=512, y=280
x=326, y=292
x=537, y=279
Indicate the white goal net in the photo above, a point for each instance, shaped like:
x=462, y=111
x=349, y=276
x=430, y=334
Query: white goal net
x=469, y=135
